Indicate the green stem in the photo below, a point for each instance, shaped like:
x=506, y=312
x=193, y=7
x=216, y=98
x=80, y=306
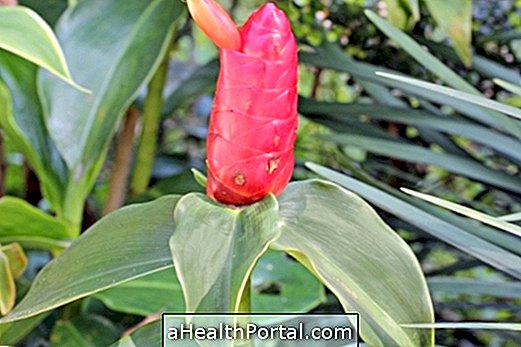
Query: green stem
x=245, y=307
x=146, y=151
x=71, y=310
x=245, y=303
x=73, y=206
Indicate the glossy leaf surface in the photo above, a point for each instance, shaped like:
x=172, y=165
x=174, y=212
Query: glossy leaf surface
x=359, y=258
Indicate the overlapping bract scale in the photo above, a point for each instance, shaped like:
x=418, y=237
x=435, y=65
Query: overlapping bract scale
x=254, y=116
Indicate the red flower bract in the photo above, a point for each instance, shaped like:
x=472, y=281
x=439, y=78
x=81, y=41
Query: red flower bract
x=254, y=116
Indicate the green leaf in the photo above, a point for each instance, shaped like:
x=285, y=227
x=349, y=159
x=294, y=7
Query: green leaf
x=214, y=259
x=85, y=331
x=17, y=259
x=25, y=33
x=146, y=336
x=50, y=10
x=340, y=112
x=455, y=232
x=508, y=86
x=456, y=94
x=297, y=290
x=455, y=19
x=146, y=295
x=331, y=56
x=201, y=80
x=7, y=286
x=22, y=120
x=514, y=217
x=485, y=66
x=129, y=243
x=469, y=286
x=410, y=152
x=420, y=54
x=12, y=333
x=403, y=13
x=199, y=177
x=29, y=226
x=471, y=213
x=468, y=325
x=359, y=258
x=114, y=61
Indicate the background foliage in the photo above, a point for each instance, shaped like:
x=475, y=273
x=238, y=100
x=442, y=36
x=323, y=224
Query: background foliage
x=377, y=133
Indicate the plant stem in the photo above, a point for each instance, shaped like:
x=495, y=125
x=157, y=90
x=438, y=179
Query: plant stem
x=146, y=151
x=245, y=307
x=122, y=163
x=71, y=310
x=245, y=303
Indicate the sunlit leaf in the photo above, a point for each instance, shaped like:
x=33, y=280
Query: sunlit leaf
x=23, y=223
x=466, y=211
x=214, y=259
x=359, y=258
x=451, y=231
x=85, y=331
x=26, y=34
x=455, y=19
x=127, y=244
x=17, y=258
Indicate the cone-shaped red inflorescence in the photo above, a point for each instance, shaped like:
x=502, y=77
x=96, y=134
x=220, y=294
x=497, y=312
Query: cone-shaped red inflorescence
x=254, y=116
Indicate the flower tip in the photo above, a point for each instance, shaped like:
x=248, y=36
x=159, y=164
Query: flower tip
x=215, y=23
x=270, y=16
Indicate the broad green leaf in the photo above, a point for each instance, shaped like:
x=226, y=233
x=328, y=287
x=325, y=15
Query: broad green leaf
x=456, y=94
x=214, y=259
x=146, y=336
x=468, y=325
x=114, y=61
x=85, y=331
x=466, y=211
x=29, y=226
x=410, y=152
x=17, y=259
x=339, y=112
x=7, y=285
x=22, y=120
x=129, y=243
x=470, y=286
x=146, y=295
x=12, y=333
x=25, y=33
x=452, y=231
x=359, y=258
x=50, y=10
x=455, y=19
x=296, y=289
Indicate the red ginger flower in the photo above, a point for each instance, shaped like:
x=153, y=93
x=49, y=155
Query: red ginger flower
x=254, y=115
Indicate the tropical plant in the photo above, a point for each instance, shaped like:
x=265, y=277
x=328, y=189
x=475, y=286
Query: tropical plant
x=111, y=69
